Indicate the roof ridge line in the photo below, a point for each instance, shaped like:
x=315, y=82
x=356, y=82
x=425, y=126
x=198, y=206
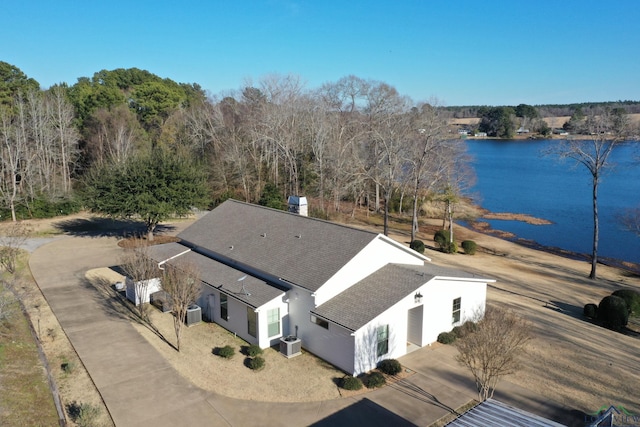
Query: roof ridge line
x=307, y=217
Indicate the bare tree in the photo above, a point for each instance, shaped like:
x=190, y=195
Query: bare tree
x=337, y=160
x=140, y=268
x=67, y=138
x=114, y=135
x=11, y=241
x=15, y=159
x=606, y=131
x=493, y=350
x=182, y=282
x=427, y=155
x=388, y=130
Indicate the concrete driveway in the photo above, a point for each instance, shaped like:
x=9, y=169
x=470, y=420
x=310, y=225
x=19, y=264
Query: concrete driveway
x=140, y=388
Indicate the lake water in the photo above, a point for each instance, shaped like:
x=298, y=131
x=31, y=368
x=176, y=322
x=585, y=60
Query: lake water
x=513, y=176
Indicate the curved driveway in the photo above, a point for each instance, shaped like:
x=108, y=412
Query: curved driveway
x=140, y=388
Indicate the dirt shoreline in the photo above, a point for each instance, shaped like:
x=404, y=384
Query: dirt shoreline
x=485, y=228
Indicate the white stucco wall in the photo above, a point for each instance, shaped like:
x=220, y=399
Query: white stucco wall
x=437, y=301
x=365, y=354
x=378, y=253
x=438, y=305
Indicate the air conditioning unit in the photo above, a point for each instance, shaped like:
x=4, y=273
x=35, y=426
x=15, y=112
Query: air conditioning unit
x=194, y=315
x=290, y=346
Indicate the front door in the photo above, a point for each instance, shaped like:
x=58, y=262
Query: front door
x=414, y=325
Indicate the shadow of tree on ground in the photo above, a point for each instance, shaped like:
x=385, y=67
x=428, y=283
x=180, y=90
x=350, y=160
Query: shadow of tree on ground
x=115, y=303
x=106, y=227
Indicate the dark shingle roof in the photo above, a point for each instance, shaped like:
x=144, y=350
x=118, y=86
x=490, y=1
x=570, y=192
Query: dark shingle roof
x=376, y=293
x=255, y=292
x=301, y=250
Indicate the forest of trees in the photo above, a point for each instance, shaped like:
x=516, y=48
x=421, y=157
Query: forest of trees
x=349, y=143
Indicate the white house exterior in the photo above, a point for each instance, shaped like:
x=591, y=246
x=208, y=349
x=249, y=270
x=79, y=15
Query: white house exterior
x=353, y=297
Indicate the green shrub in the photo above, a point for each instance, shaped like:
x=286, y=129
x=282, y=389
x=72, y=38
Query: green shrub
x=375, y=379
x=83, y=414
x=227, y=352
x=631, y=298
x=458, y=332
x=469, y=247
x=441, y=237
x=256, y=363
x=68, y=367
x=351, y=383
x=446, y=338
x=590, y=311
x=271, y=197
x=613, y=312
x=390, y=367
x=469, y=327
x=254, y=350
x=465, y=329
x=418, y=246
x=450, y=248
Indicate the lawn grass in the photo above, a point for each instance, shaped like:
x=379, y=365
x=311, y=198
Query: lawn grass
x=25, y=397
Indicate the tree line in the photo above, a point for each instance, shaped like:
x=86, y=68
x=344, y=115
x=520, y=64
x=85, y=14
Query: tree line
x=350, y=142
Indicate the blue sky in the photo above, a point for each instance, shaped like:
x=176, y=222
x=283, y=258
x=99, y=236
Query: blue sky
x=461, y=52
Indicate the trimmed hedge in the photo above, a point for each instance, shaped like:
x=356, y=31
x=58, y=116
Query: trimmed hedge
x=351, y=383
x=469, y=247
x=590, y=311
x=613, y=312
x=631, y=298
x=446, y=338
x=256, y=363
x=441, y=237
x=418, y=246
x=375, y=379
x=254, y=350
x=390, y=366
x=227, y=352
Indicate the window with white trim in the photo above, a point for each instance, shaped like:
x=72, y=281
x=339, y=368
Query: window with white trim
x=382, y=340
x=273, y=322
x=455, y=316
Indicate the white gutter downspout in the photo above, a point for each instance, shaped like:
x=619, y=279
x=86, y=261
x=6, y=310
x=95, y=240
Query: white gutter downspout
x=161, y=263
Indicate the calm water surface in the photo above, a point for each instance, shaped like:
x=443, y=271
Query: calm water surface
x=513, y=176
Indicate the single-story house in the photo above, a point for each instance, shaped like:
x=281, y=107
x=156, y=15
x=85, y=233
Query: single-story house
x=353, y=297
